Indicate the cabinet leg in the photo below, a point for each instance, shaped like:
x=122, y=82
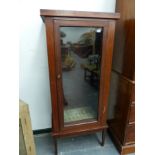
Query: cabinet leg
x=103, y=137
x=55, y=146
x=85, y=74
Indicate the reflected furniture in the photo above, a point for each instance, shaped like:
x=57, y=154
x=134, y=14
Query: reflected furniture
x=86, y=106
x=92, y=70
x=122, y=125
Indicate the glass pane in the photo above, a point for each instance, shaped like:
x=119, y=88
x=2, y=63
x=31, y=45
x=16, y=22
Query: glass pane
x=81, y=61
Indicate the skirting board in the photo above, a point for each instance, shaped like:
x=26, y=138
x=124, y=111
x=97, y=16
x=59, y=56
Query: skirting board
x=40, y=131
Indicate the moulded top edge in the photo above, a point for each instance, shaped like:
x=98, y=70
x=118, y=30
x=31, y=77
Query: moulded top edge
x=78, y=14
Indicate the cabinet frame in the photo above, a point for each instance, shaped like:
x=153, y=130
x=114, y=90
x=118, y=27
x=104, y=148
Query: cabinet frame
x=54, y=56
x=55, y=19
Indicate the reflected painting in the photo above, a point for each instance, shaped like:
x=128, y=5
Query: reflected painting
x=81, y=49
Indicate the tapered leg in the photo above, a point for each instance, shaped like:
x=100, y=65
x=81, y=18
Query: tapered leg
x=103, y=137
x=85, y=74
x=55, y=146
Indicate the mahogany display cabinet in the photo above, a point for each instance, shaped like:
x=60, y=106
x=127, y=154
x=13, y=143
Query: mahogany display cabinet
x=80, y=48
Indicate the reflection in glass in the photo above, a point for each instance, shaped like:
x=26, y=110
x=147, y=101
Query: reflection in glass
x=81, y=61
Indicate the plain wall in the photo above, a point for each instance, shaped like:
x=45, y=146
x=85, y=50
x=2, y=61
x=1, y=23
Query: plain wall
x=34, y=81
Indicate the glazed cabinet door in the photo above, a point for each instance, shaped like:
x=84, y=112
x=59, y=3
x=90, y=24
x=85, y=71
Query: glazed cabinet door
x=83, y=62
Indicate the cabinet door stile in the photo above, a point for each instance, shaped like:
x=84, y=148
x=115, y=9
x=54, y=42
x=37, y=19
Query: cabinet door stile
x=52, y=70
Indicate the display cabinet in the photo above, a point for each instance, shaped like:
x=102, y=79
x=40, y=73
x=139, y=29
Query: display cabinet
x=80, y=47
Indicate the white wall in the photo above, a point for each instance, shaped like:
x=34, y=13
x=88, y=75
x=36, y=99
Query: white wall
x=34, y=81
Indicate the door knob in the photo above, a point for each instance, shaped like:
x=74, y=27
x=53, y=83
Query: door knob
x=58, y=76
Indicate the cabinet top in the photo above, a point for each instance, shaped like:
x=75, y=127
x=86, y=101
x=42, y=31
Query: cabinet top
x=78, y=14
